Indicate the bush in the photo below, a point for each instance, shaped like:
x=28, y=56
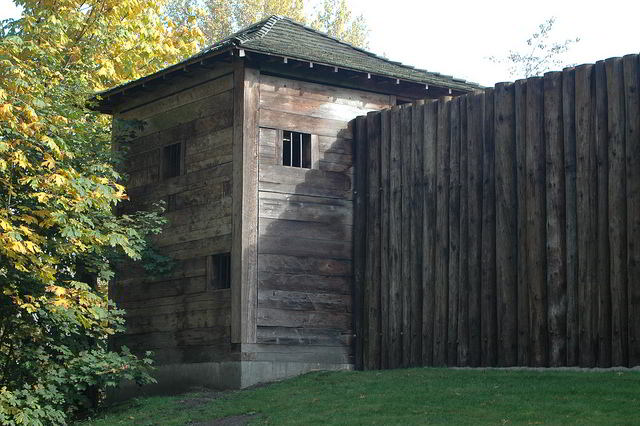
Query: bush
x=55, y=361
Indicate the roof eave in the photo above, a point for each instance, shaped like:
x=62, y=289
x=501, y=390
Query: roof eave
x=456, y=85
x=164, y=73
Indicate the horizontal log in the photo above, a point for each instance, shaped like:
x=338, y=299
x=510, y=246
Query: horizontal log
x=211, y=299
x=142, y=177
x=304, y=247
x=303, y=282
x=193, y=133
x=304, y=301
x=202, y=247
x=218, y=105
x=307, y=230
x=323, y=92
x=192, y=337
x=219, y=352
x=273, y=205
x=208, y=141
x=214, y=227
x=334, y=145
x=310, y=107
x=134, y=273
x=288, y=318
x=142, y=161
x=304, y=264
x=298, y=354
x=144, y=291
x=198, y=212
x=330, y=166
x=210, y=158
x=305, y=124
x=303, y=336
x=210, y=88
x=178, y=84
x=293, y=180
x=188, y=182
x=178, y=321
x=268, y=147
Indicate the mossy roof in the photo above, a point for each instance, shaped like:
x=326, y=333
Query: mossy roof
x=281, y=36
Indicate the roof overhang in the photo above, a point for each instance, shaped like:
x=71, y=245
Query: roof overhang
x=371, y=81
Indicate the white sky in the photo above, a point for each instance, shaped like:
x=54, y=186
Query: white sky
x=457, y=38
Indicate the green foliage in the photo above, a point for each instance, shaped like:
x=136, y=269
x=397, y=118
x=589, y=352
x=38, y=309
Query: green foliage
x=217, y=19
x=540, y=54
x=59, y=188
x=334, y=18
x=406, y=397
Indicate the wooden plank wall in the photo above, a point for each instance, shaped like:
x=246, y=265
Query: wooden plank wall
x=305, y=216
x=503, y=227
x=177, y=315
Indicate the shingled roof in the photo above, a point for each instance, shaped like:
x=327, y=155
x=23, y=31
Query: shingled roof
x=281, y=36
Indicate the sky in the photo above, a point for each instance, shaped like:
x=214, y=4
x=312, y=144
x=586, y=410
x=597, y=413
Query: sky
x=457, y=38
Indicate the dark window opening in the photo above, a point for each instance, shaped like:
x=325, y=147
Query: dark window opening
x=219, y=271
x=296, y=149
x=172, y=160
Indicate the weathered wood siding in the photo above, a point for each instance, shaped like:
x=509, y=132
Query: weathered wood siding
x=529, y=251
x=306, y=219
x=178, y=316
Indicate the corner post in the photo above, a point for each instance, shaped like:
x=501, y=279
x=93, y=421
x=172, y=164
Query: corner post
x=244, y=251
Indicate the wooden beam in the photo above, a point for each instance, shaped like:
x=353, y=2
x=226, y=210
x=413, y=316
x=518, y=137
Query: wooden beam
x=244, y=258
x=360, y=81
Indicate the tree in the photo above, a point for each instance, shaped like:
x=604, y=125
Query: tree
x=214, y=18
x=540, y=55
x=218, y=19
x=59, y=236
x=334, y=18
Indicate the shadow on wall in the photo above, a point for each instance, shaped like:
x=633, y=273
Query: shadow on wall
x=305, y=246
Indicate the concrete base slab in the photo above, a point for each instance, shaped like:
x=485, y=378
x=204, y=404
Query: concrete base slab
x=178, y=378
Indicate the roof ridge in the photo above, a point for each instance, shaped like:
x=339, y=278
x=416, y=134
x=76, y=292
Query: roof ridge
x=263, y=26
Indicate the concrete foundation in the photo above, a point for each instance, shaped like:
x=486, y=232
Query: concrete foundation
x=177, y=378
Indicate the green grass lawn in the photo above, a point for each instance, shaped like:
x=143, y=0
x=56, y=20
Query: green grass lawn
x=410, y=396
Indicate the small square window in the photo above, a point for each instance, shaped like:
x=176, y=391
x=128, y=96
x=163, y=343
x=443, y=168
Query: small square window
x=296, y=149
x=219, y=271
x=172, y=160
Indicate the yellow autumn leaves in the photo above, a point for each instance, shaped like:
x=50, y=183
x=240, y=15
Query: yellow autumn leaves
x=54, y=195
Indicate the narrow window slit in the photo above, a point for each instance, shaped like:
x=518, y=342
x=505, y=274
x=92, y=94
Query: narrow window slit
x=219, y=271
x=172, y=160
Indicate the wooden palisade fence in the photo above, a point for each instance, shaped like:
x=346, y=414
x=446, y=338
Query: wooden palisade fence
x=502, y=228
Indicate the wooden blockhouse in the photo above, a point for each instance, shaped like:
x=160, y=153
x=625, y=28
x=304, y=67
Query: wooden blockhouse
x=249, y=143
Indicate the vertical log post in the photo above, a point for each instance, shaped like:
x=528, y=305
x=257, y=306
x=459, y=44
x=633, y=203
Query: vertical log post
x=475, y=114
x=395, y=242
x=442, y=234
x=556, y=230
x=586, y=211
x=603, y=264
x=632, y=150
x=522, y=246
x=617, y=210
x=454, y=232
x=536, y=222
x=429, y=234
x=506, y=225
x=463, y=298
x=385, y=258
x=372, y=274
x=359, y=233
x=407, y=267
x=417, y=124
x=488, y=273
